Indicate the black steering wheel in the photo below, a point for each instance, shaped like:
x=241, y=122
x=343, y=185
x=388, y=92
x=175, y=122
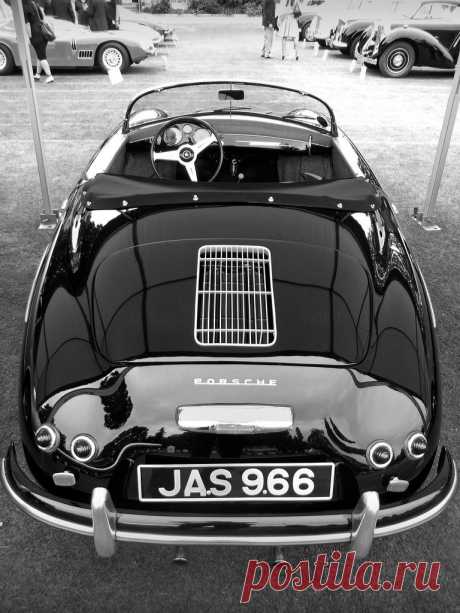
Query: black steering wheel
x=185, y=148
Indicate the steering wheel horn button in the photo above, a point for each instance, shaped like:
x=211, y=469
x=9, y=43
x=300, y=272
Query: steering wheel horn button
x=186, y=154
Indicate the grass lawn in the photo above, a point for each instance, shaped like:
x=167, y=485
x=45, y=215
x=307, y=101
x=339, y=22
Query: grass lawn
x=396, y=125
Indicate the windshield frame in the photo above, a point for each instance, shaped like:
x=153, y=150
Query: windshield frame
x=155, y=90
x=413, y=16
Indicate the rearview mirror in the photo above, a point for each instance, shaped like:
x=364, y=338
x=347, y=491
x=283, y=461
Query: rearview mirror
x=231, y=94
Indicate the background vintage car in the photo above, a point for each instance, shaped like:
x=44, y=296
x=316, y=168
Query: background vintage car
x=332, y=17
x=430, y=38
x=347, y=35
x=77, y=47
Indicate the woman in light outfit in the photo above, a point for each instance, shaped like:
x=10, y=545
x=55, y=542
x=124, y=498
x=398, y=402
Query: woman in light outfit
x=289, y=28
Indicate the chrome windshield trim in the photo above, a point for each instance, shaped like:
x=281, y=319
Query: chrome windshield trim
x=178, y=84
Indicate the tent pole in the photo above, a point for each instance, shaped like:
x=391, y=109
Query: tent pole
x=47, y=216
x=442, y=151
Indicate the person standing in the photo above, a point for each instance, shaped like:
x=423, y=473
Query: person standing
x=82, y=15
x=34, y=16
x=63, y=9
x=268, y=21
x=97, y=15
x=289, y=27
x=46, y=6
x=111, y=14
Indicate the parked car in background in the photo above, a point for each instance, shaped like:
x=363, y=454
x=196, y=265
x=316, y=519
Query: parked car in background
x=325, y=18
x=330, y=21
x=431, y=38
x=126, y=16
x=304, y=22
x=77, y=47
x=348, y=31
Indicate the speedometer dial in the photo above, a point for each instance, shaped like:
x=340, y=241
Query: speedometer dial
x=172, y=136
x=201, y=134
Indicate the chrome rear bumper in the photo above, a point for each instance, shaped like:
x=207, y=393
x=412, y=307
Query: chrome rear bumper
x=106, y=524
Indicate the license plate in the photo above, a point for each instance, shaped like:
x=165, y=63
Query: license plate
x=233, y=482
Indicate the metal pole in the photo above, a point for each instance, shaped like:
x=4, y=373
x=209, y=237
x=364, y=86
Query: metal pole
x=443, y=148
x=47, y=217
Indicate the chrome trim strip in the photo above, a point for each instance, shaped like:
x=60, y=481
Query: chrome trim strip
x=428, y=297
x=234, y=418
x=363, y=522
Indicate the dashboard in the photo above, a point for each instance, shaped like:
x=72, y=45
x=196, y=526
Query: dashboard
x=238, y=131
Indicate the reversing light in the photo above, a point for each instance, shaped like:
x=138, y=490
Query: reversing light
x=415, y=446
x=47, y=438
x=83, y=448
x=379, y=454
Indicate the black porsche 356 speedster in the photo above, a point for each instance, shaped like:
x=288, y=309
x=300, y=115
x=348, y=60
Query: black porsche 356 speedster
x=227, y=340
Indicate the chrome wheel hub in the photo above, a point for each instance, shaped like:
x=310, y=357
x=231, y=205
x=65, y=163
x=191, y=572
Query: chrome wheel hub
x=398, y=60
x=112, y=58
x=2, y=59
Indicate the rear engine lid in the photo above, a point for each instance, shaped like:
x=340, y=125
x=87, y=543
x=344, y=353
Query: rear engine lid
x=154, y=300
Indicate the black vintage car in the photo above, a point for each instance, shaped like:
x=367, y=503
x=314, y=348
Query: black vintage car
x=227, y=340
x=348, y=33
x=431, y=38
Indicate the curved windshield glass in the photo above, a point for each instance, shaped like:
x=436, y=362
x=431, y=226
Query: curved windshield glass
x=444, y=11
x=228, y=98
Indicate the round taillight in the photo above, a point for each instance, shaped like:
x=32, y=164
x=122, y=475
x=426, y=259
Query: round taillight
x=47, y=438
x=379, y=454
x=415, y=446
x=83, y=448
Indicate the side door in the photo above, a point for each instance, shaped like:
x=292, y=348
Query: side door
x=441, y=20
x=60, y=52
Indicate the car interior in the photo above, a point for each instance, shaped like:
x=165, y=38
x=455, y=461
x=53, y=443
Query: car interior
x=236, y=148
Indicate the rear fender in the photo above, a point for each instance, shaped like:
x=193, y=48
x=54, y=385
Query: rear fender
x=428, y=50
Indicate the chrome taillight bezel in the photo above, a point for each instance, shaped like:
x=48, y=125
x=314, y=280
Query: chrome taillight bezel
x=89, y=440
x=408, y=445
x=373, y=448
x=54, y=441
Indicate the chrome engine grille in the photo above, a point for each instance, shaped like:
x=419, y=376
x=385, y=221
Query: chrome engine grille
x=234, y=297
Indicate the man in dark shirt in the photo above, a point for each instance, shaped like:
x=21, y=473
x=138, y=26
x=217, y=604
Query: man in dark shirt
x=63, y=9
x=82, y=15
x=97, y=15
x=268, y=21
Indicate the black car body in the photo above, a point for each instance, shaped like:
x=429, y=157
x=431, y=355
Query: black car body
x=347, y=35
x=430, y=38
x=245, y=360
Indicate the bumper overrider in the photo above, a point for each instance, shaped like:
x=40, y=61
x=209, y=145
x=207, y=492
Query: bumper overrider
x=366, y=59
x=368, y=53
x=106, y=524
